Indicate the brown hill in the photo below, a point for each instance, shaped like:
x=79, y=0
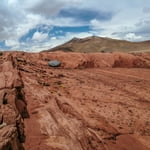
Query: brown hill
x=99, y=44
x=96, y=101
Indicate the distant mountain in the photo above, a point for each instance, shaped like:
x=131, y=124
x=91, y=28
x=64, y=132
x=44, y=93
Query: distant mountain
x=100, y=44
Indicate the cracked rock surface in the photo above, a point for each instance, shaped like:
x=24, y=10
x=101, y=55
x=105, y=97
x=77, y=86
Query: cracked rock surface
x=91, y=102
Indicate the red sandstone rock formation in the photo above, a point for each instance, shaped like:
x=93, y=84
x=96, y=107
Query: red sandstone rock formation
x=12, y=106
x=91, y=102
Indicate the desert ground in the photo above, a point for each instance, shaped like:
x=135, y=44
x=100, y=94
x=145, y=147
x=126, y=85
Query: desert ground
x=96, y=101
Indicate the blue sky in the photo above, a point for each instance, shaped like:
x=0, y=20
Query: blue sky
x=41, y=24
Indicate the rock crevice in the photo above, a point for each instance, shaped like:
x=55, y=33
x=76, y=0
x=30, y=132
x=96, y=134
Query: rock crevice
x=13, y=107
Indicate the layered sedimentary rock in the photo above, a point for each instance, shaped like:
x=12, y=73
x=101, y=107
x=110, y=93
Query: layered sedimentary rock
x=12, y=106
x=91, y=102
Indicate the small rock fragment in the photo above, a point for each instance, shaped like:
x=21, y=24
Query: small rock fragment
x=54, y=63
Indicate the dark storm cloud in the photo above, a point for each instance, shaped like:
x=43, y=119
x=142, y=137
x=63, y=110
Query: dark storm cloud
x=85, y=15
x=146, y=9
x=143, y=28
x=46, y=7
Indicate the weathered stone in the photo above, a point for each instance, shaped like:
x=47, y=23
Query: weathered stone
x=54, y=63
x=9, y=138
x=12, y=107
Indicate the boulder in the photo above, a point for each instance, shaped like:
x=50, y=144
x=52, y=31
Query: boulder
x=54, y=63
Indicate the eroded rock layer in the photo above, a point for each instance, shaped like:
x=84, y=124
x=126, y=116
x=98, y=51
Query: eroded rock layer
x=91, y=102
x=12, y=106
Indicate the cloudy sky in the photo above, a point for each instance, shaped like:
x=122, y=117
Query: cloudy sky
x=34, y=25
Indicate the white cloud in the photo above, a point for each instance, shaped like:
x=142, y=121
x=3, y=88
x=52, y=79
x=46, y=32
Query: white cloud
x=12, y=2
x=131, y=20
x=53, y=38
x=132, y=36
x=11, y=43
x=38, y=36
x=52, y=42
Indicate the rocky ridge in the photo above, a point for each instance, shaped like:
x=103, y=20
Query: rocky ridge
x=102, y=44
